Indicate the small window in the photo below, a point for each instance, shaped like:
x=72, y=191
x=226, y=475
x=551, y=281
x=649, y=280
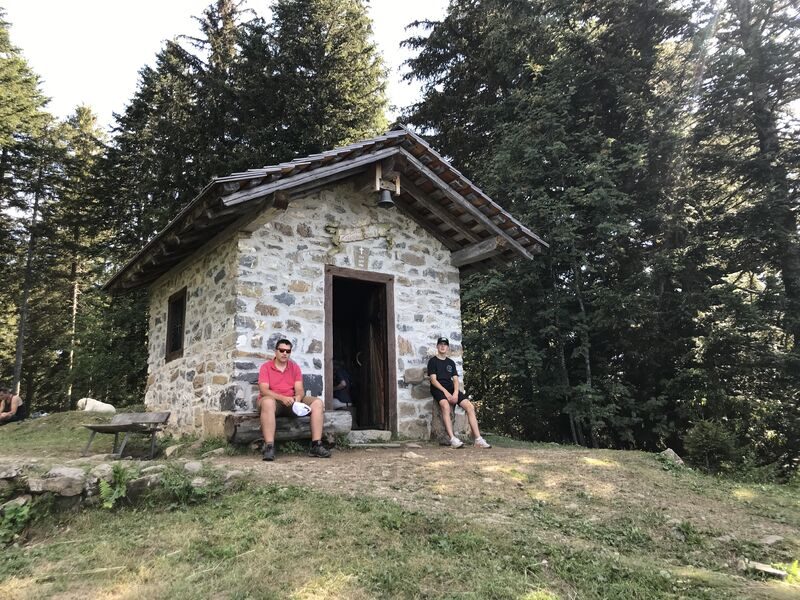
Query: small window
x=176, y=317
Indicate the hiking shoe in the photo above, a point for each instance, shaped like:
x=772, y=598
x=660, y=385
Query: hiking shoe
x=319, y=451
x=268, y=453
x=482, y=443
x=455, y=442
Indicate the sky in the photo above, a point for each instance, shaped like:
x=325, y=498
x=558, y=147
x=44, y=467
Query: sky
x=90, y=51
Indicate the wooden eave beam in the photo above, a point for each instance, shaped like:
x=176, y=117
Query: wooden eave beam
x=460, y=201
x=478, y=252
x=404, y=207
x=440, y=212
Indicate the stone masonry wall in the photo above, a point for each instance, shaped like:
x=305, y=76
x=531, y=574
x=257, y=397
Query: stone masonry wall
x=280, y=288
x=199, y=381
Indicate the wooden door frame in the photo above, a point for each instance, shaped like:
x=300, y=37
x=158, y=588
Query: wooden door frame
x=332, y=271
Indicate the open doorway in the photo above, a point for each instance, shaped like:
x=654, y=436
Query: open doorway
x=359, y=324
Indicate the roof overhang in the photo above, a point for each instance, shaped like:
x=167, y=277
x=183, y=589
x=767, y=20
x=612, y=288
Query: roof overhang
x=431, y=192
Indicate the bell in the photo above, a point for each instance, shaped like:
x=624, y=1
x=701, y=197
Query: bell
x=385, y=199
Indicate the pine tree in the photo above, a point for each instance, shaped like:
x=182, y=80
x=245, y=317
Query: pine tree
x=329, y=77
x=550, y=106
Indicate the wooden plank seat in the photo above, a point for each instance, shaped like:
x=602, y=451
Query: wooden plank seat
x=245, y=427
x=142, y=423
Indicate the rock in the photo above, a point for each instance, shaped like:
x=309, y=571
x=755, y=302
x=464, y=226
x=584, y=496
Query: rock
x=214, y=452
x=193, y=466
x=414, y=375
x=233, y=475
x=153, y=469
x=64, y=481
x=18, y=501
x=670, y=455
x=5, y=486
x=751, y=565
x=168, y=452
x=413, y=445
x=770, y=540
x=140, y=485
x=411, y=455
x=10, y=471
x=199, y=482
x=103, y=471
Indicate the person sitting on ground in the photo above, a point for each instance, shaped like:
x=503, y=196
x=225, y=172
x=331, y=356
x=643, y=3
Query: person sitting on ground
x=444, y=389
x=342, y=387
x=12, y=408
x=280, y=383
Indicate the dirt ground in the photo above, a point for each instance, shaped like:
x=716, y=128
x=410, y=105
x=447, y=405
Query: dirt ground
x=494, y=485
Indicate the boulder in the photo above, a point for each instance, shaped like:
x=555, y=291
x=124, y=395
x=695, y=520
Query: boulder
x=137, y=487
x=193, y=466
x=10, y=471
x=670, y=455
x=214, y=452
x=63, y=481
x=103, y=471
x=172, y=450
x=153, y=469
x=18, y=501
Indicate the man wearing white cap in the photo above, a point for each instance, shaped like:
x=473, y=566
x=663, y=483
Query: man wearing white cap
x=280, y=382
x=444, y=389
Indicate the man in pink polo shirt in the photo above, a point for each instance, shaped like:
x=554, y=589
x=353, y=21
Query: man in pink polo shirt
x=281, y=385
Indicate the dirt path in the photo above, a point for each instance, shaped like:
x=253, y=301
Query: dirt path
x=493, y=486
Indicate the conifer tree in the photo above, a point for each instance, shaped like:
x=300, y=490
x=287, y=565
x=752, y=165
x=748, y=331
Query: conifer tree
x=329, y=77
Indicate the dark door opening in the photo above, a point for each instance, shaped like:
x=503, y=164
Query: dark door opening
x=360, y=346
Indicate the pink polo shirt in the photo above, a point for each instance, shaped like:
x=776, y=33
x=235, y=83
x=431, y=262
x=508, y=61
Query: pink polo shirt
x=280, y=382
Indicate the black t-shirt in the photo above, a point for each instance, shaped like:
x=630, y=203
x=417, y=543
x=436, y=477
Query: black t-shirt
x=444, y=370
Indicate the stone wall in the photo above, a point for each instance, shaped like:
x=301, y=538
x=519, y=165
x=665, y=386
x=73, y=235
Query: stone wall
x=280, y=287
x=200, y=380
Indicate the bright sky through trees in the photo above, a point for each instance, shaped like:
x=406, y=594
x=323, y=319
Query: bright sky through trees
x=90, y=51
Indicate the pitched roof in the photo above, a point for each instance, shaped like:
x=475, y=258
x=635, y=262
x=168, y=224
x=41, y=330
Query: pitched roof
x=434, y=194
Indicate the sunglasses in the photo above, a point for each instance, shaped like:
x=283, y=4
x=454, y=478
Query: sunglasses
x=284, y=350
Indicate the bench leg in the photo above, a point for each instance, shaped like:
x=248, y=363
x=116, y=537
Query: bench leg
x=122, y=446
x=116, y=441
x=89, y=443
x=152, y=445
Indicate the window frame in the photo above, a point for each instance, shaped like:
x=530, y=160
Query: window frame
x=172, y=302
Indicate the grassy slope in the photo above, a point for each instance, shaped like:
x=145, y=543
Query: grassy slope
x=560, y=523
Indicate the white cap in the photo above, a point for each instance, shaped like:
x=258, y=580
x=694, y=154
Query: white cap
x=301, y=409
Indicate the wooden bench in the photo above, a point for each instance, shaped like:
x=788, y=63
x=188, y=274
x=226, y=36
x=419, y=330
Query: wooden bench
x=128, y=423
x=245, y=427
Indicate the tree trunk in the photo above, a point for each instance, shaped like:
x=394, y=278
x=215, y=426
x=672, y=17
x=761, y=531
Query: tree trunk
x=26, y=287
x=773, y=169
x=73, y=276
x=586, y=343
x=243, y=428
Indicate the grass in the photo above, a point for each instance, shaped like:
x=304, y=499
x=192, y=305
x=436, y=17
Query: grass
x=528, y=522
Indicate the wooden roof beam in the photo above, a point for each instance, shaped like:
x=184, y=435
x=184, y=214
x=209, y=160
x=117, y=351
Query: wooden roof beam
x=405, y=208
x=440, y=212
x=460, y=201
x=478, y=252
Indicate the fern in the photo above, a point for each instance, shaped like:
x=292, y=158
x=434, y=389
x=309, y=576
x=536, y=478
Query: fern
x=117, y=488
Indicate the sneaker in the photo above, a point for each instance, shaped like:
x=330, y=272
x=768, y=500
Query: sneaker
x=319, y=451
x=268, y=453
x=482, y=443
x=455, y=442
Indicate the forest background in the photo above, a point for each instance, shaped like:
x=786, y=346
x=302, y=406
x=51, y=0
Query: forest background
x=654, y=144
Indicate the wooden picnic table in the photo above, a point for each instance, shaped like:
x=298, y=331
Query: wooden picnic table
x=142, y=423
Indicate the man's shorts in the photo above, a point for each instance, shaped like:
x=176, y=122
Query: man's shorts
x=439, y=395
x=281, y=410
